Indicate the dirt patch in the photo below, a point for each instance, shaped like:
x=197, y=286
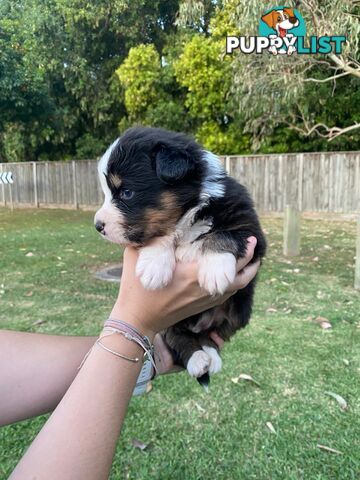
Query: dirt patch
x=111, y=273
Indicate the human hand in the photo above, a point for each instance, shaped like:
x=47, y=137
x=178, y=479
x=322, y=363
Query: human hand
x=151, y=311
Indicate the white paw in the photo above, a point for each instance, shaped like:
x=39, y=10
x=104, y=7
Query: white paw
x=216, y=272
x=291, y=50
x=273, y=50
x=198, y=364
x=215, y=359
x=155, y=267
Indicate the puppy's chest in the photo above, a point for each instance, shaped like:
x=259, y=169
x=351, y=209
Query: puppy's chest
x=189, y=252
x=190, y=237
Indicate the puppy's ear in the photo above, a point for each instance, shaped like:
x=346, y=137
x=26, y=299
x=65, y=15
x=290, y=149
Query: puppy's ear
x=290, y=12
x=172, y=165
x=269, y=19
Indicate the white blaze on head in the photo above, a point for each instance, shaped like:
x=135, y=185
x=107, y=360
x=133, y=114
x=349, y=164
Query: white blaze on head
x=108, y=214
x=285, y=22
x=281, y=13
x=103, y=170
x=213, y=185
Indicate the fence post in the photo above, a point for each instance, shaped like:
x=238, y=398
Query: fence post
x=291, y=246
x=357, y=264
x=46, y=195
x=11, y=198
x=227, y=165
x=75, y=196
x=301, y=181
x=3, y=188
x=36, y=202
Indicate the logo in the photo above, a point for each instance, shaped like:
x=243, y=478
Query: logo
x=282, y=31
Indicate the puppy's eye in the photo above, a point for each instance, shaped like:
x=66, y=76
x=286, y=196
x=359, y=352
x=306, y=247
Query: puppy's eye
x=279, y=19
x=286, y=16
x=126, y=194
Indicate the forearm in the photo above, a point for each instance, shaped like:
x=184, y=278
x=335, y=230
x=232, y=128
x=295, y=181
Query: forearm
x=79, y=439
x=35, y=371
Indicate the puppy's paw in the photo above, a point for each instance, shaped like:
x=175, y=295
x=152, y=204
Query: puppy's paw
x=155, y=267
x=291, y=50
x=198, y=364
x=216, y=272
x=215, y=359
x=273, y=50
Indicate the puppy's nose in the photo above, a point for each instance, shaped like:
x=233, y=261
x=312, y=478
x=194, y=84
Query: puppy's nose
x=293, y=20
x=100, y=226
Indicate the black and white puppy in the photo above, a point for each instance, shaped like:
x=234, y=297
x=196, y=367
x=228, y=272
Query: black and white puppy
x=163, y=187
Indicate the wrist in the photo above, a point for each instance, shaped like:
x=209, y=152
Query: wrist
x=128, y=331
x=122, y=313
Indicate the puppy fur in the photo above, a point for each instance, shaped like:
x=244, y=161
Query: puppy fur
x=172, y=199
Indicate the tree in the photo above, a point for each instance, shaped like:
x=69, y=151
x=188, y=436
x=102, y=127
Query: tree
x=70, y=49
x=73, y=73
x=139, y=75
x=205, y=73
x=151, y=95
x=24, y=94
x=275, y=91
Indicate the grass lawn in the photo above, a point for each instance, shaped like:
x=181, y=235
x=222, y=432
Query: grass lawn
x=223, y=434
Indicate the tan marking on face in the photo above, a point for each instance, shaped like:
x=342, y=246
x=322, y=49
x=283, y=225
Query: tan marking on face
x=276, y=16
x=162, y=220
x=290, y=12
x=115, y=180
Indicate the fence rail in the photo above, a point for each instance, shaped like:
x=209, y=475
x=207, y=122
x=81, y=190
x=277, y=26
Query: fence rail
x=313, y=182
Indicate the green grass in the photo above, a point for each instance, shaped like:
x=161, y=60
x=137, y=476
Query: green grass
x=221, y=435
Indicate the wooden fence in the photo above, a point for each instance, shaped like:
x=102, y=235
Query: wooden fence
x=312, y=182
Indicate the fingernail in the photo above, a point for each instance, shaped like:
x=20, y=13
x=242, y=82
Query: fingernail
x=252, y=240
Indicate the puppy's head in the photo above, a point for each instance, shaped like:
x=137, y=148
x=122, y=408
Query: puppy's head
x=150, y=177
x=281, y=20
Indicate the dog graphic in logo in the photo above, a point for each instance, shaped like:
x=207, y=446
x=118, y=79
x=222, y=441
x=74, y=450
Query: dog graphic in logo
x=282, y=30
x=278, y=24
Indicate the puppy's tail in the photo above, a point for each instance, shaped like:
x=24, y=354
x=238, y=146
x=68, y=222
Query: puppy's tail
x=204, y=381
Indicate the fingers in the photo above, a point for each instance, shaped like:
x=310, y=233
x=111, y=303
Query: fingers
x=163, y=358
x=215, y=337
x=242, y=262
x=246, y=271
x=245, y=276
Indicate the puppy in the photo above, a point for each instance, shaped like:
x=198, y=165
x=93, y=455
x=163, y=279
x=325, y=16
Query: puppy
x=281, y=21
x=172, y=199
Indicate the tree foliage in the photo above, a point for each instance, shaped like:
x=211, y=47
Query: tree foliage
x=59, y=67
x=204, y=72
x=74, y=73
x=139, y=75
x=299, y=92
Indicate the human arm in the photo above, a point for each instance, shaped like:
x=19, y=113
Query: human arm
x=79, y=439
x=37, y=369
